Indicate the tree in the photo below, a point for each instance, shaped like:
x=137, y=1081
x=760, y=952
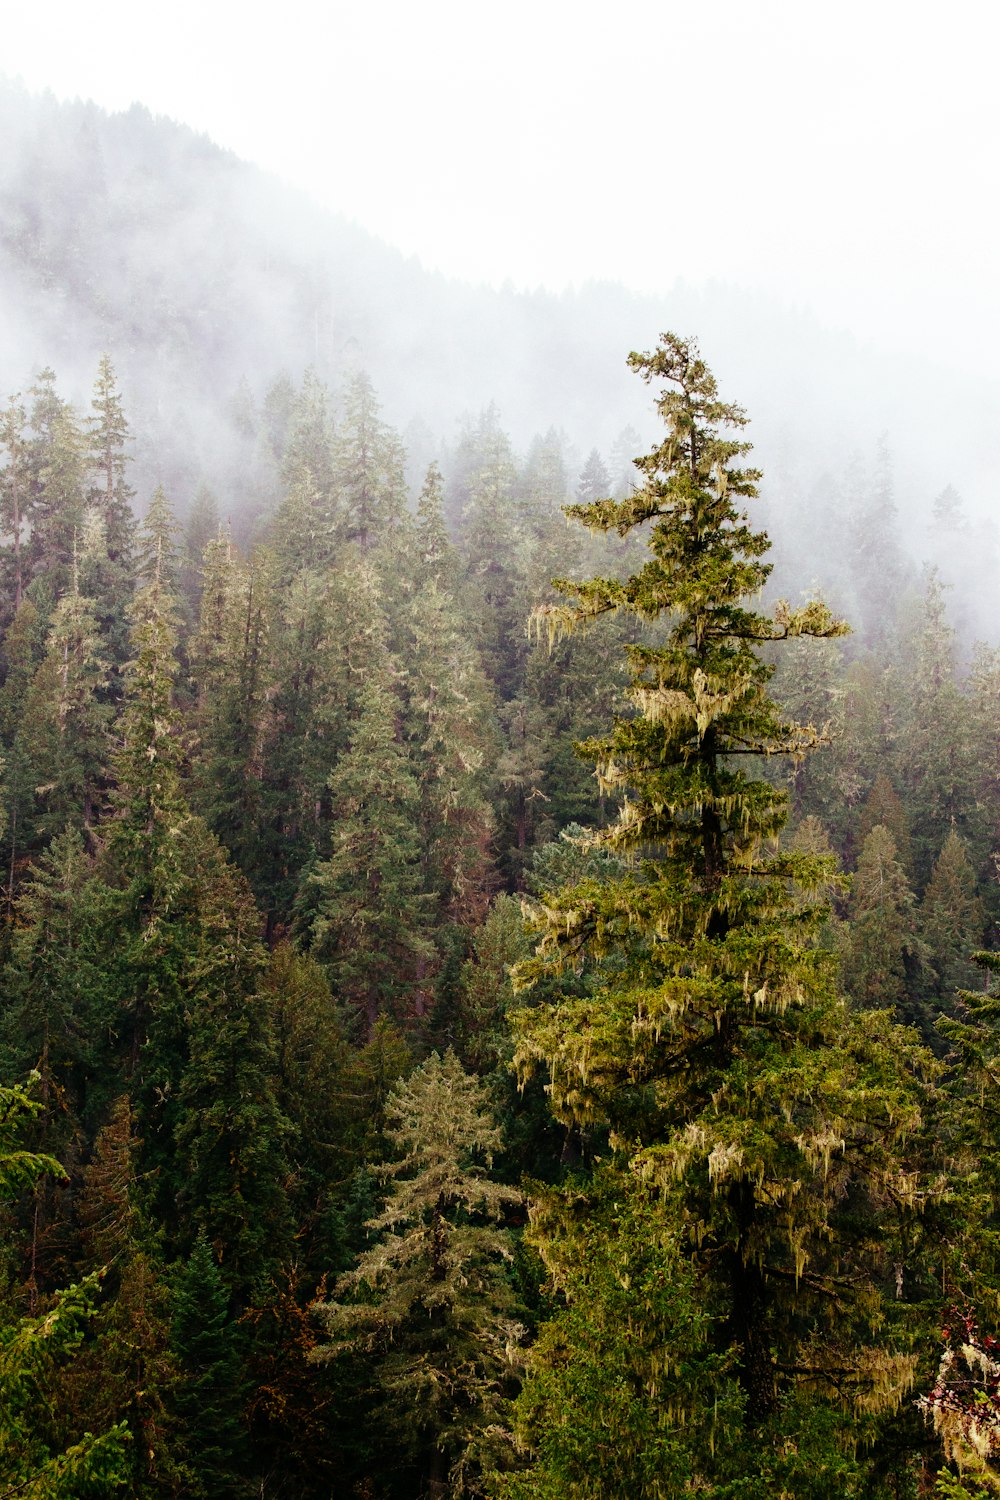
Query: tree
x=595, y=481
x=938, y=765
x=65, y=729
x=111, y=496
x=33, y=1462
x=952, y=921
x=368, y=469
x=731, y=1076
x=15, y=509
x=884, y=957
x=204, y=1340
x=433, y=1309
x=363, y=908
x=627, y=1293
x=438, y=560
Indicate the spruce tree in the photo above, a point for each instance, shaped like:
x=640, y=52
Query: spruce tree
x=735, y=1083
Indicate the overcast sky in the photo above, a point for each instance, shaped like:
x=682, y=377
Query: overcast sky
x=845, y=156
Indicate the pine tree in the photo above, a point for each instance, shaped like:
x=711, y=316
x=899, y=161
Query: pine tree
x=433, y=1311
x=735, y=1083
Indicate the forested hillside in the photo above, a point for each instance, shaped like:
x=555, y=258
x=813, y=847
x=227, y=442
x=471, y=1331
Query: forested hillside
x=495, y=983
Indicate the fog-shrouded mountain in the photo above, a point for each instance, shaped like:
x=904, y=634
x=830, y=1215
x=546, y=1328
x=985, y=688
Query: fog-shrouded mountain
x=205, y=278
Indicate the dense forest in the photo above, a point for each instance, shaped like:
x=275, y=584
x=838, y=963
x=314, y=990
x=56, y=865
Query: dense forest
x=496, y=984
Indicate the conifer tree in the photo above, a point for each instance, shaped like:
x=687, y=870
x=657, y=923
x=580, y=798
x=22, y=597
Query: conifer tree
x=438, y=1325
x=204, y=1340
x=200, y=526
x=33, y=1459
x=59, y=463
x=65, y=730
x=736, y=1085
x=368, y=469
x=438, y=560
x=952, y=921
x=938, y=765
x=453, y=738
x=111, y=496
x=493, y=533
x=594, y=482
x=58, y=1008
x=363, y=908
x=308, y=450
x=127, y=1372
x=156, y=549
x=15, y=495
x=884, y=807
x=883, y=964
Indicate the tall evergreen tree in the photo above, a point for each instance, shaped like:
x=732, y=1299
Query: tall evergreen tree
x=734, y=1081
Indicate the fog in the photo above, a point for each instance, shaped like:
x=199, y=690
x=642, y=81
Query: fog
x=205, y=276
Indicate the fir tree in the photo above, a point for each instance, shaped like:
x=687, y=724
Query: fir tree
x=65, y=730
x=438, y=560
x=733, y=1079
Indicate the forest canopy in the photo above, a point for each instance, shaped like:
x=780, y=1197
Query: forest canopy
x=488, y=1006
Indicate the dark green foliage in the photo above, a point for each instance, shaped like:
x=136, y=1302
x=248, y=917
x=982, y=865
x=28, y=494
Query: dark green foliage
x=713, y=1045
x=623, y=1395
x=35, y=1460
x=367, y=914
x=209, y=1398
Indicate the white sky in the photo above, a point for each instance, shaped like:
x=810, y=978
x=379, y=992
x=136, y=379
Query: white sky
x=846, y=157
